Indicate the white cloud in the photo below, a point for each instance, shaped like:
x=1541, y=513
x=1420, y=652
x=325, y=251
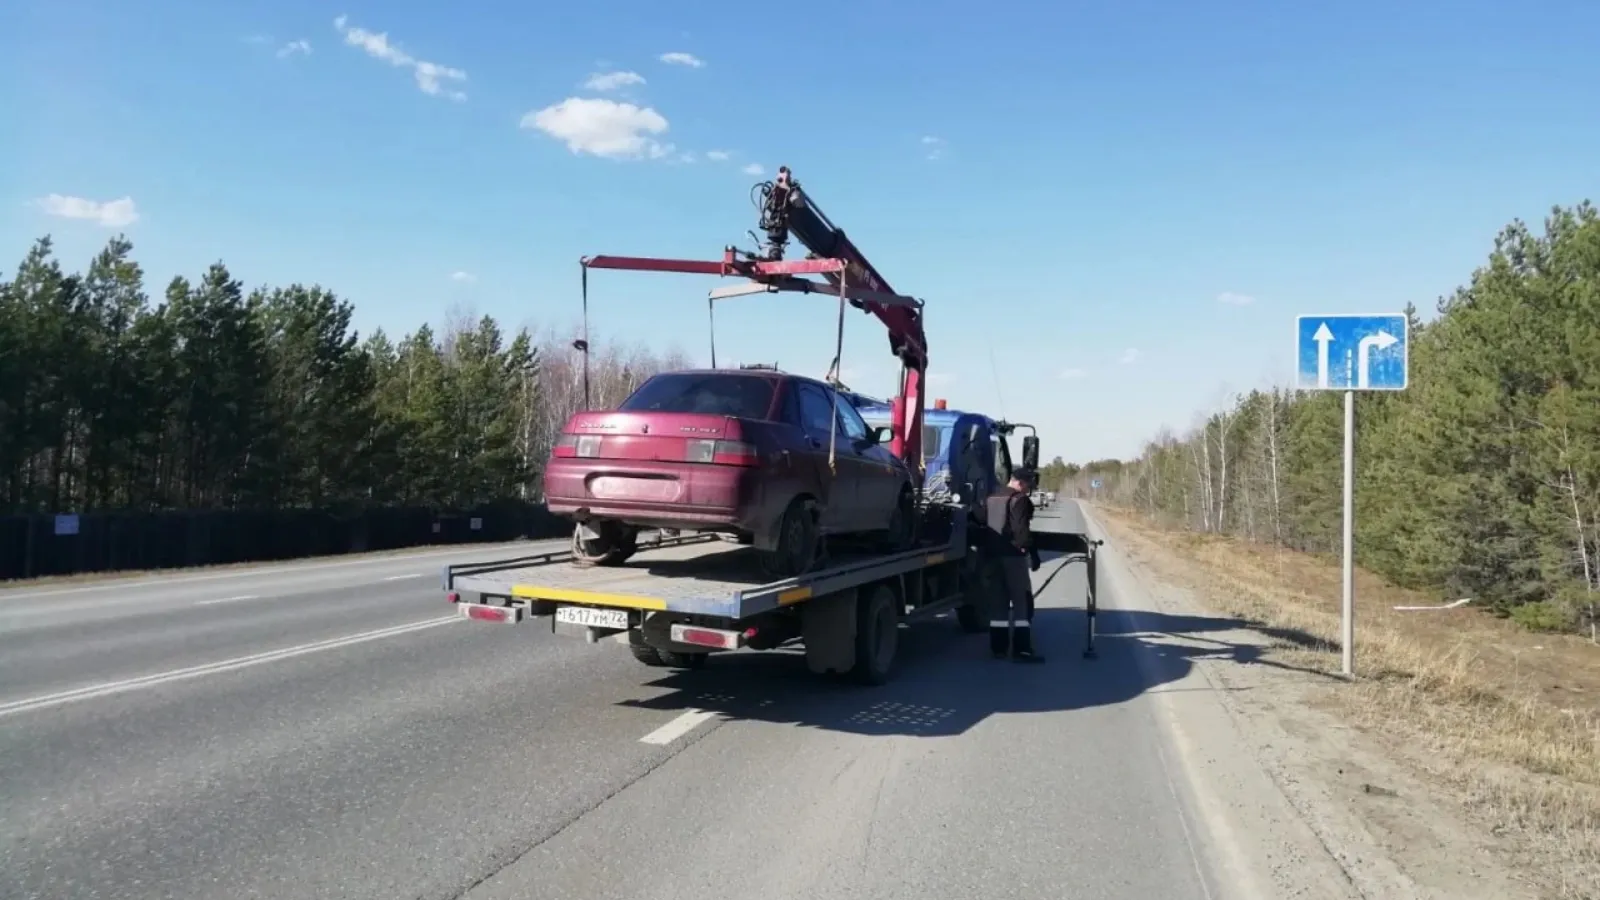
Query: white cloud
x=934, y=146
x=1229, y=298
x=682, y=59
x=463, y=277
x=1072, y=374
x=293, y=47
x=110, y=214
x=430, y=76
x=718, y=155
x=259, y=39
x=611, y=81
x=603, y=128
x=1129, y=356
x=753, y=169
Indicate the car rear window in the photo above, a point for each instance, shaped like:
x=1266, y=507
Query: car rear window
x=740, y=396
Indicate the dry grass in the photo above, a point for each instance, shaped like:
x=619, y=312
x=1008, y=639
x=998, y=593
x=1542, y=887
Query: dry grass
x=1508, y=718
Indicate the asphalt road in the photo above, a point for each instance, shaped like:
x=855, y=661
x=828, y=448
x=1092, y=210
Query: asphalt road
x=328, y=731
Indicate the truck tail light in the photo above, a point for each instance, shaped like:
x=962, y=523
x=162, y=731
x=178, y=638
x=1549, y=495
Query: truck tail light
x=722, y=453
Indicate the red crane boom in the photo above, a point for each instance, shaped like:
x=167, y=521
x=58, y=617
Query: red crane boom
x=788, y=211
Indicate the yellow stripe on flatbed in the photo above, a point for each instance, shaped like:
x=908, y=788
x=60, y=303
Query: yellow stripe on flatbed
x=794, y=595
x=587, y=598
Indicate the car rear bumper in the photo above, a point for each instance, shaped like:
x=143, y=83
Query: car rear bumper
x=654, y=494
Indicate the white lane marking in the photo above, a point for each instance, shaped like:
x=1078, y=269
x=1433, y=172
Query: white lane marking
x=227, y=599
x=466, y=553
x=404, y=577
x=678, y=727
x=226, y=665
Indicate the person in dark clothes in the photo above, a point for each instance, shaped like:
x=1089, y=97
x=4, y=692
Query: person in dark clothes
x=1009, y=523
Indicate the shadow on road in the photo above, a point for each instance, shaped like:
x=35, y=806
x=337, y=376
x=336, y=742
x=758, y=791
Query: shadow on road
x=946, y=681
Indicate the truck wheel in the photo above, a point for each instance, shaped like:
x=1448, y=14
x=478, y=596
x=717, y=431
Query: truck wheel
x=970, y=618
x=646, y=654
x=877, y=635
x=672, y=659
x=797, y=541
x=613, y=547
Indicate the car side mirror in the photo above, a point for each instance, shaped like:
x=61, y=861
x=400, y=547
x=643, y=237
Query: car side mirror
x=881, y=435
x=1030, y=453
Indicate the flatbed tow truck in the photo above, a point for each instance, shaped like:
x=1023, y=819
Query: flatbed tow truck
x=684, y=597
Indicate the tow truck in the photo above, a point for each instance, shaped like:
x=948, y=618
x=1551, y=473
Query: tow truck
x=686, y=597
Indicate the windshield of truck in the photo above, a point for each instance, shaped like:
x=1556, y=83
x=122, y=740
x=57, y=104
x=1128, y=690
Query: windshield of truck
x=713, y=393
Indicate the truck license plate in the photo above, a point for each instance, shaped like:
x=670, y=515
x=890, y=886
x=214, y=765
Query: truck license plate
x=594, y=618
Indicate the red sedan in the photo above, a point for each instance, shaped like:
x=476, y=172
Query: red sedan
x=736, y=452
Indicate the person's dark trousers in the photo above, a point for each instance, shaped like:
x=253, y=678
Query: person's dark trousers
x=1012, y=600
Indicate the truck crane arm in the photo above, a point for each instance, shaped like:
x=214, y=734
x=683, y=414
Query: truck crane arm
x=788, y=211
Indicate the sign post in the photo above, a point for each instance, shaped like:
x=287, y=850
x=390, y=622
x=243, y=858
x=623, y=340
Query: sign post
x=1351, y=353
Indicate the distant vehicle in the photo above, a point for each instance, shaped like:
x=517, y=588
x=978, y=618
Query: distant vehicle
x=743, y=453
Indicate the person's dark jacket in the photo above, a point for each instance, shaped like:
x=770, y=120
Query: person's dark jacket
x=1009, y=519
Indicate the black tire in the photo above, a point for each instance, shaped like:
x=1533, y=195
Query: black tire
x=614, y=547
x=902, y=531
x=970, y=618
x=877, y=635
x=798, y=541
x=972, y=615
x=672, y=659
x=647, y=654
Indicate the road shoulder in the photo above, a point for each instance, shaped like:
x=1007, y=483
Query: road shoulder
x=1345, y=818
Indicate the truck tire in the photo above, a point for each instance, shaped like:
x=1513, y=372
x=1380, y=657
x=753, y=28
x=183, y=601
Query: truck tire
x=971, y=615
x=970, y=618
x=646, y=654
x=877, y=635
x=672, y=659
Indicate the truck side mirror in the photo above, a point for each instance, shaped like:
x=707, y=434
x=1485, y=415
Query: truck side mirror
x=1030, y=453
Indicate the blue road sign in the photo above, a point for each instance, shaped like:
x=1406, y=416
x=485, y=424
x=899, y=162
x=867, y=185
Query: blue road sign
x=1352, y=353
x=1095, y=484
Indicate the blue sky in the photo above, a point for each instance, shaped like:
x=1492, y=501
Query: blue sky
x=1128, y=206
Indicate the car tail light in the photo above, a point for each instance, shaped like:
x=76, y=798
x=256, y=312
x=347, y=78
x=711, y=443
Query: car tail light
x=568, y=446
x=724, y=453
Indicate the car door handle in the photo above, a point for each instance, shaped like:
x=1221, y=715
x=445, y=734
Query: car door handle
x=816, y=444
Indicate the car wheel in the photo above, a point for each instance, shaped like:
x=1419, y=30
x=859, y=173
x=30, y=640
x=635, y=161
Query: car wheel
x=613, y=547
x=902, y=532
x=798, y=539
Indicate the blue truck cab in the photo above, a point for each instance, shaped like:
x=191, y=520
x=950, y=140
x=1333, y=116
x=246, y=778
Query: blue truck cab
x=958, y=448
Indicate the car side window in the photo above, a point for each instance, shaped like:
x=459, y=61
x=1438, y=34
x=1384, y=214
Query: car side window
x=854, y=426
x=791, y=406
x=816, y=411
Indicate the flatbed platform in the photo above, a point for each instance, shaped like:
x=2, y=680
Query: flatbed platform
x=697, y=575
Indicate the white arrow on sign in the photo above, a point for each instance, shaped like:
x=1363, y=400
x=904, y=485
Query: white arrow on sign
x=1324, y=337
x=1382, y=340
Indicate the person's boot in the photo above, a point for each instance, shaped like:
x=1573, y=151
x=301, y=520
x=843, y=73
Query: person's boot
x=999, y=644
x=1024, y=647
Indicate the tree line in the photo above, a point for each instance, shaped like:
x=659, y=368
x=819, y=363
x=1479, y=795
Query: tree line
x=215, y=397
x=1481, y=480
